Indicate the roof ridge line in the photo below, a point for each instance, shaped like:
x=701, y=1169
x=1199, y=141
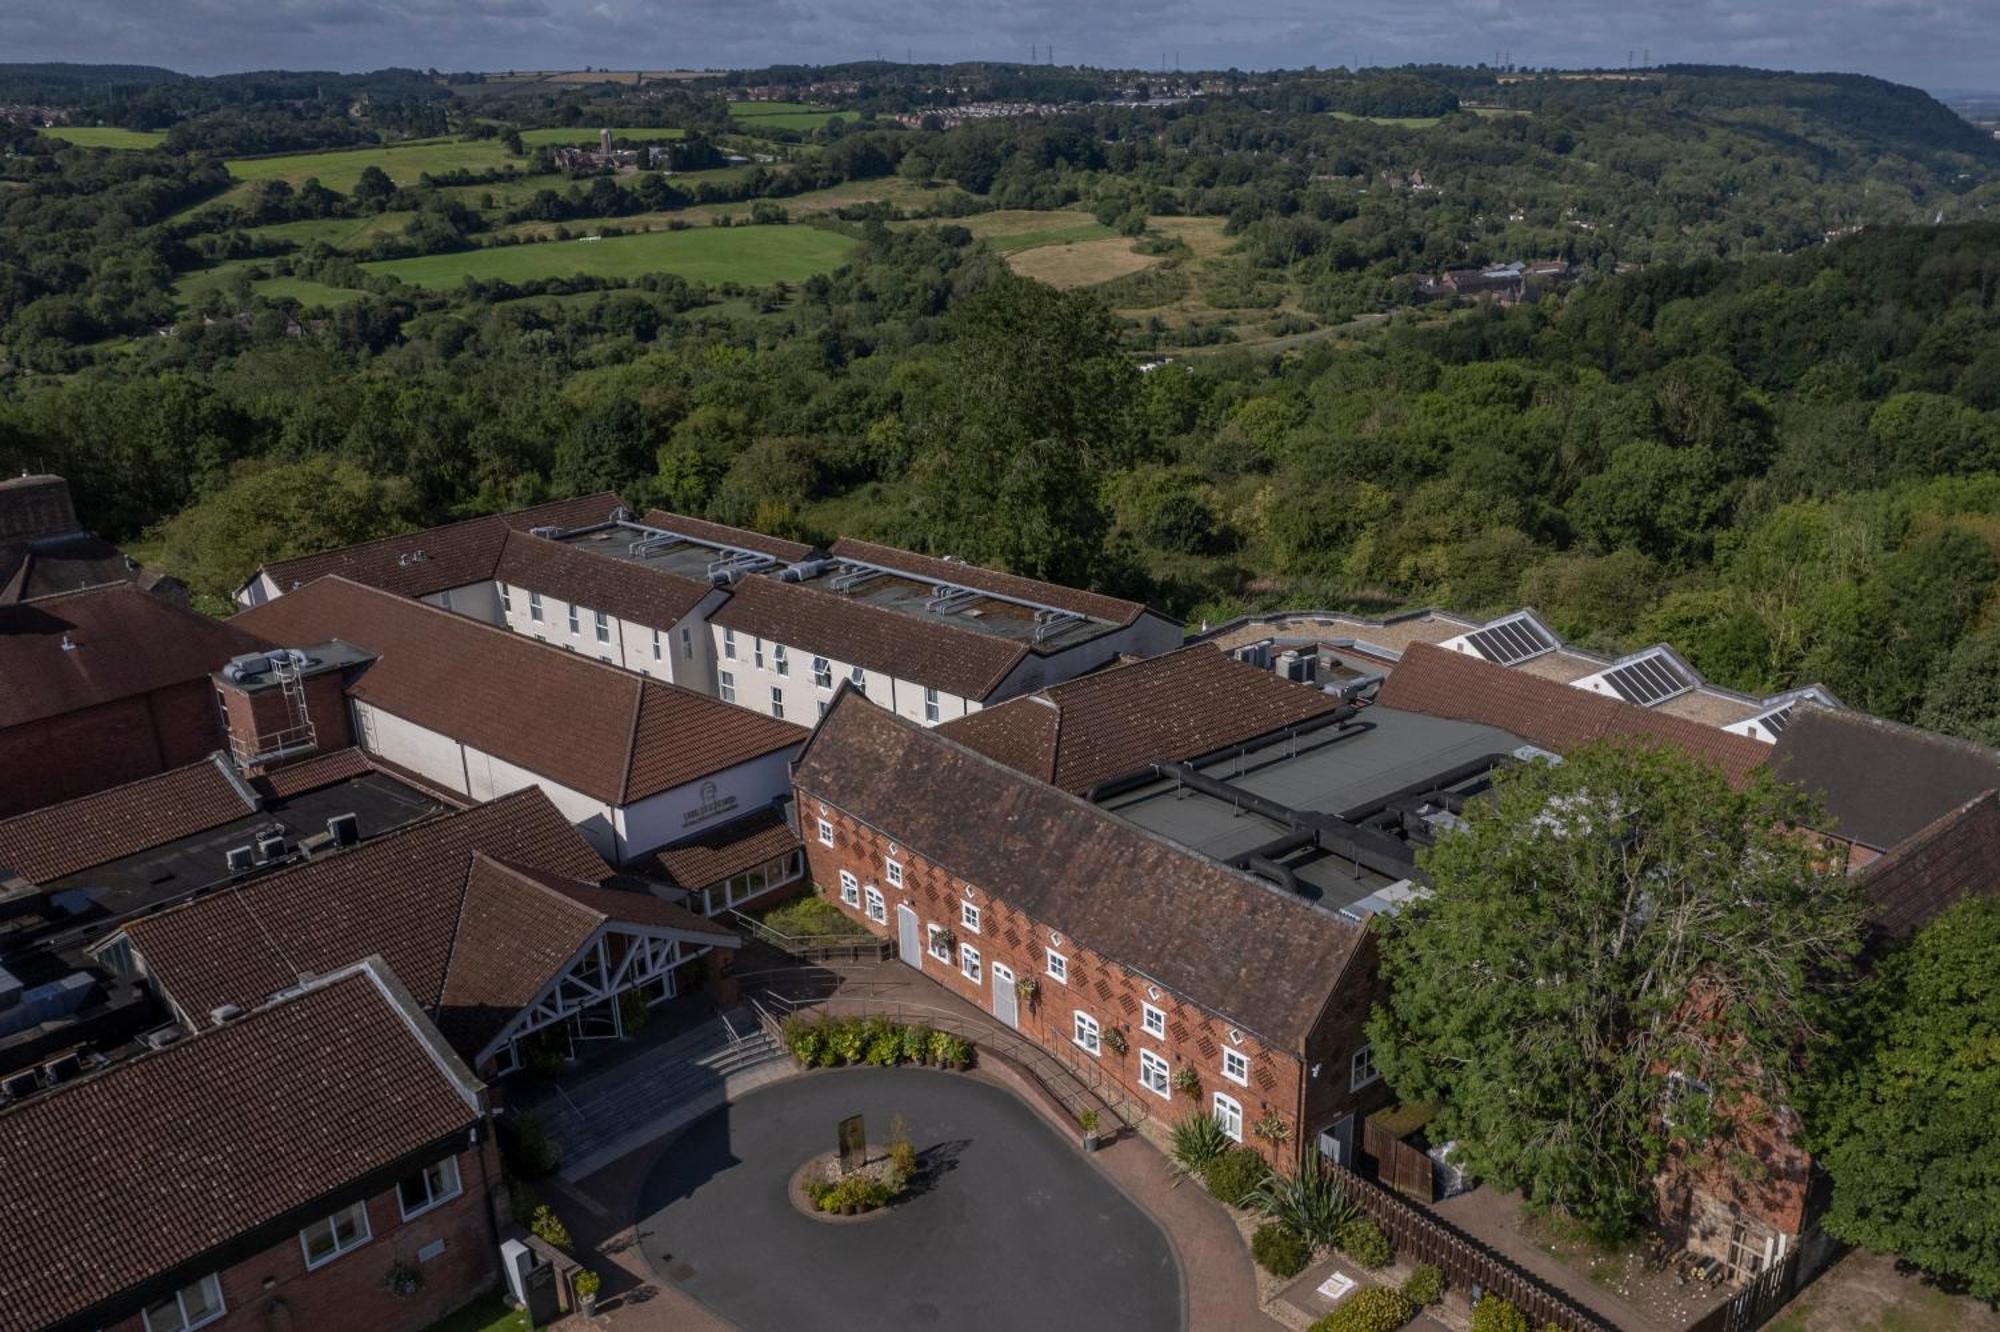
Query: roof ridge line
x=632, y=741
x=457, y=926
x=434, y=527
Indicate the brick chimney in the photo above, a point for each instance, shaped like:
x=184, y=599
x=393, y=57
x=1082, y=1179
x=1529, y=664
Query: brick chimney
x=277, y=713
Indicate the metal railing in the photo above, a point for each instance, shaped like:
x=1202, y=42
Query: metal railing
x=857, y=947
x=1074, y=1084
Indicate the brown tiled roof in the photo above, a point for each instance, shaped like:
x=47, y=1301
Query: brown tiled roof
x=453, y=555
x=1881, y=782
x=1170, y=708
x=1957, y=855
x=398, y=895
x=518, y=927
x=611, y=734
x=123, y=642
x=1093, y=604
x=791, y=552
x=310, y=774
x=927, y=651
x=1229, y=943
x=62, y=839
x=738, y=845
x=1553, y=716
x=141, y=1170
x=635, y=592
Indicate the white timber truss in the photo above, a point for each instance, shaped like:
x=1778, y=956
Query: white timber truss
x=617, y=959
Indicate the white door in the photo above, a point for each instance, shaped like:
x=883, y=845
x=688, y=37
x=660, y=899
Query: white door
x=908, y=945
x=1337, y=1143
x=1006, y=1005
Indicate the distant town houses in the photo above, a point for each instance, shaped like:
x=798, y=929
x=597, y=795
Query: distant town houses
x=1513, y=283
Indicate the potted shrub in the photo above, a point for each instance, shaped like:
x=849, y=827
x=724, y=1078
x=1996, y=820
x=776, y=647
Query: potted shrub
x=1026, y=988
x=586, y=1285
x=1114, y=1038
x=1186, y=1081
x=1089, y=1121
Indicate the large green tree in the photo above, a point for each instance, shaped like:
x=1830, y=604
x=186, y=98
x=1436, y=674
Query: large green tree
x=1599, y=925
x=1912, y=1137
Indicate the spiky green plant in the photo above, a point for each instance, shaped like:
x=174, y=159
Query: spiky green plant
x=1311, y=1201
x=1196, y=1141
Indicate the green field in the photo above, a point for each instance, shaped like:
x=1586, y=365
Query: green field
x=1397, y=122
x=341, y=233
x=750, y=255
x=105, y=136
x=403, y=162
x=781, y=115
x=581, y=134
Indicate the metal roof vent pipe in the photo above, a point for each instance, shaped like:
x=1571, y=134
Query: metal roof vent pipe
x=68, y=643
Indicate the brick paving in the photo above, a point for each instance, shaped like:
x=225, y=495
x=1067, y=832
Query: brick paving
x=1221, y=1284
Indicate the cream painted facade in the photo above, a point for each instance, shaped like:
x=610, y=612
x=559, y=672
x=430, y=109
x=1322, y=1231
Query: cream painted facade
x=679, y=655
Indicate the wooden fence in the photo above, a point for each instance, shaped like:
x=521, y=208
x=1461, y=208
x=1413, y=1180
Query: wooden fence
x=1398, y=1164
x=1759, y=1300
x=1424, y=1237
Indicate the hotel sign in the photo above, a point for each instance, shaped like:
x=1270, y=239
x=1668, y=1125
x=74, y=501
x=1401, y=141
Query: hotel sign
x=712, y=805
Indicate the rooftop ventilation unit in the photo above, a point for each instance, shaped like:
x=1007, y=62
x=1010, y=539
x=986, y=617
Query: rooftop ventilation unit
x=160, y=1038
x=247, y=665
x=345, y=829
x=853, y=576
x=222, y=1013
x=546, y=531
x=804, y=570
x=270, y=845
x=1049, y=623
x=240, y=858
x=735, y=564
x=410, y=557
x=946, y=599
x=62, y=1068
x=16, y=1085
x=1255, y=654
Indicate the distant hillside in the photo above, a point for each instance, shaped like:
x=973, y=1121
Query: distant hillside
x=55, y=81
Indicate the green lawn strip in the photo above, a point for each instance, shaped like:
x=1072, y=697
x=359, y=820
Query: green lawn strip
x=585, y=134
x=105, y=136
x=305, y=291
x=339, y=232
x=751, y=255
x=1015, y=242
x=488, y=1314
x=1397, y=122
x=402, y=163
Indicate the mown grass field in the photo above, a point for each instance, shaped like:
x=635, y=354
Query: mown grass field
x=585, y=134
x=1397, y=122
x=1012, y=230
x=403, y=163
x=341, y=233
x=751, y=255
x=781, y=115
x=303, y=290
x=104, y=136
x=887, y=190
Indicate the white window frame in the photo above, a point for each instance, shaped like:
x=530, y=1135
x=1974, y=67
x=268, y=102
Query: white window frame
x=757, y=652
x=892, y=870
x=687, y=641
x=969, y=963
x=937, y=942
x=778, y=702
x=726, y=685
x=859, y=678
x=826, y=839
x=446, y=1166
x=535, y=606
x=1362, y=1060
x=878, y=907
x=1228, y=1113
x=1153, y=1021
x=656, y=645
x=780, y=662
x=822, y=673
x=850, y=888
x=729, y=644
x=506, y=599
x=968, y=916
x=1152, y=1066
x=1057, y=967
x=931, y=711
x=363, y=1233
x=600, y=624
x=1085, y=1034
x=575, y=621
x=210, y=1286
x=1236, y=1066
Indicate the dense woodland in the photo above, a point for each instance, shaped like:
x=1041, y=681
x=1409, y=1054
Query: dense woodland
x=1778, y=450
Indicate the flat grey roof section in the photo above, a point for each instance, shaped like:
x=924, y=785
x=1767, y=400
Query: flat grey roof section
x=980, y=612
x=1347, y=768
x=176, y=869
x=687, y=558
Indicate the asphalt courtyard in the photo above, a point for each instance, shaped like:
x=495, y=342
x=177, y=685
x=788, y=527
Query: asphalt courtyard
x=1005, y=1232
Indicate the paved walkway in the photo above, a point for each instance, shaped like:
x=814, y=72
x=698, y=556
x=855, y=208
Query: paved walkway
x=1220, y=1283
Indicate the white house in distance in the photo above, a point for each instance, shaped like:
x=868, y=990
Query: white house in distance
x=771, y=625
x=635, y=763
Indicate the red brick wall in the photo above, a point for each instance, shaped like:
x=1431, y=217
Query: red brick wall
x=1339, y=1035
x=265, y=713
x=1097, y=985
x=348, y=1292
x=77, y=753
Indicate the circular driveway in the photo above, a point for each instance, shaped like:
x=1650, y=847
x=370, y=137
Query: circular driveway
x=1012, y=1229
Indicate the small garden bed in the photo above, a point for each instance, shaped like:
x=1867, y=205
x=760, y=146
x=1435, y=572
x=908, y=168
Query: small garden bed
x=884, y=1175
x=810, y=917
x=830, y=1042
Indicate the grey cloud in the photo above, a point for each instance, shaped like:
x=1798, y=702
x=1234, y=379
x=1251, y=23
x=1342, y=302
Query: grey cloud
x=1932, y=43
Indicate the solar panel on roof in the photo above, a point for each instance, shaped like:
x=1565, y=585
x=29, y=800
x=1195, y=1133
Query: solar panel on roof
x=1647, y=681
x=1510, y=641
x=1776, y=722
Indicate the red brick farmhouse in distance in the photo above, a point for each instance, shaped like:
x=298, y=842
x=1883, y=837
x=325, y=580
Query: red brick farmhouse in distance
x=1089, y=934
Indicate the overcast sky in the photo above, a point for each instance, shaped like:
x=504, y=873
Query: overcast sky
x=1930, y=43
